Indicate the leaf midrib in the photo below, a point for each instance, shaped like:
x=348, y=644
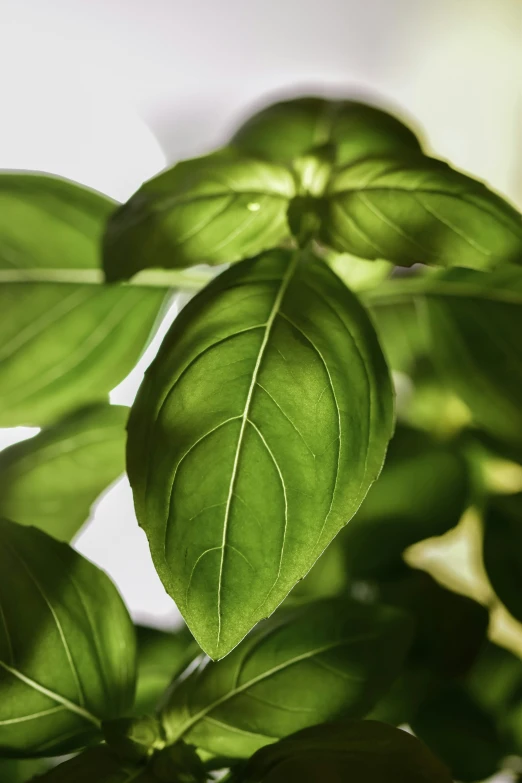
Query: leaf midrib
x=285, y=281
x=71, y=706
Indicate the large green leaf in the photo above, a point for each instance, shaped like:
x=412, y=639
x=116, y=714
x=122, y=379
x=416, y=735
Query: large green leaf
x=212, y=210
x=65, y=340
x=364, y=751
x=99, y=765
x=307, y=665
x=51, y=480
x=503, y=550
x=416, y=209
x=254, y=438
x=289, y=129
x=460, y=733
x=67, y=646
x=162, y=656
x=422, y=492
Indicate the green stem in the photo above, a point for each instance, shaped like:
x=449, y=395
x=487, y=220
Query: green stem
x=181, y=279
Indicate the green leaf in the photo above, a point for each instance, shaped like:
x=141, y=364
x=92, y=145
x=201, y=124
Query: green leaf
x=401, y=703
x=460, y=733
x=65, y=340
x=474, y=323
x=422, y=492
x=162, y=656
x=213, y=210
x=350, y=751
x=289, y=129
x=416, y=209
x=67, y=646
x=254, y=438
x=50, y=481
x=503, y=550
x=101, y=766
x=450, y=629
x=48, y=223
x=64, y=345
x=21, y=770
x=310, y=664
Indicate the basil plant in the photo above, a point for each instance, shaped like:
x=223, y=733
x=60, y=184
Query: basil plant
x=337, y=390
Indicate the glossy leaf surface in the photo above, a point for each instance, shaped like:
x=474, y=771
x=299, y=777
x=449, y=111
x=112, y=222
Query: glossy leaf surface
x=350, y=751
x=417, y=209
x=254, y=438
x=503, y=550
x=100, y=765
x=67, y=646
x=289, y=129
x=51, y=480
x=162, y=656
x=311, y=664
x=213, y=210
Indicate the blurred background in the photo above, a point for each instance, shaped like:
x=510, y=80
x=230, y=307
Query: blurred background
x=107, y=92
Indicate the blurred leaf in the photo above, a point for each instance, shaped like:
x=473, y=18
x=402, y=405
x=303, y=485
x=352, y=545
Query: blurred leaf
x=495, y=684
x=289, y=129
x=410, y=209
x=460, y=733
x=50, y=481
x=98, y=765
x=49, y=225
x=402, y=702
x=309, y=664
x=365, y=751
x=67, y=646
x=65, y=341
x=421, y=492
x=162, y=656
x=503, y=550
x=357, y=273
x=21, y=771
x=401, y=333
x=474, y=323
x=214, y=210
x=64, y=345
x=228, y=409
x=326, y=579
x=450, y=628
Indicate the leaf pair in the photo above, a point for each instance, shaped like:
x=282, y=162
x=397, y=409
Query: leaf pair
x=349, y=176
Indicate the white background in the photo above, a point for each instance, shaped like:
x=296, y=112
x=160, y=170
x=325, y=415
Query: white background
x=108, y=91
